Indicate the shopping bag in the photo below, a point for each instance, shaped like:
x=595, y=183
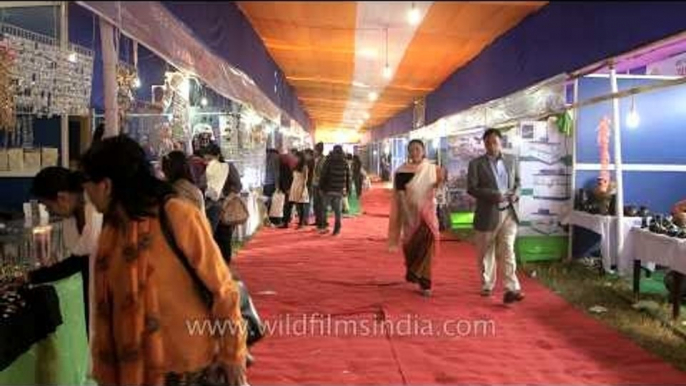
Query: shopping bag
x=278, y=200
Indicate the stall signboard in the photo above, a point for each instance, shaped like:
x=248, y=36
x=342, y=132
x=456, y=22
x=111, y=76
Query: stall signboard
x=545, y=172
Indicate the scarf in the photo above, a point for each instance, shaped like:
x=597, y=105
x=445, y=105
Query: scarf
x=128, y=350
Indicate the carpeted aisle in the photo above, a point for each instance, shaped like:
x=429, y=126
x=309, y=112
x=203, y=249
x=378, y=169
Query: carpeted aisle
x=342, y=285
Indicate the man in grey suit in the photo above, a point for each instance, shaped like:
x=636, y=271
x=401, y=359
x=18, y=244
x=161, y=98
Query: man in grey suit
x=493, y=179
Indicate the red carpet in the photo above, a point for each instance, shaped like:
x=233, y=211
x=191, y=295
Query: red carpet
x=543, y=340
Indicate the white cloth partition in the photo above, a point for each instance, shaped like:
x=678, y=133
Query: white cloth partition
x=647, y=246
x=606, y=227
x=109, y=60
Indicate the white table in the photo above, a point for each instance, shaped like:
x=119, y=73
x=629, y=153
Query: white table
x=606, y=227
x=643, y=245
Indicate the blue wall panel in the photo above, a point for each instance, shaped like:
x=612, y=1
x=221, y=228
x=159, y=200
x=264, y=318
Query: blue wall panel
x=659, y=139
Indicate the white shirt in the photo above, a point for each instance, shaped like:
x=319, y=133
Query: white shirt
x=86, y=243
x=216, y=174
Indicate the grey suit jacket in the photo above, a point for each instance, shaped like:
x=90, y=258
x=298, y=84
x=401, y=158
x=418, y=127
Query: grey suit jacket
x=482, y=185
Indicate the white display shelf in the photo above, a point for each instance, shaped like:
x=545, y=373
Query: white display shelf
x=19, y=174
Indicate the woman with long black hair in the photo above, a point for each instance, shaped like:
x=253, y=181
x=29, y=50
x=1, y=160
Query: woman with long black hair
x=60, y=190
x=157, y=268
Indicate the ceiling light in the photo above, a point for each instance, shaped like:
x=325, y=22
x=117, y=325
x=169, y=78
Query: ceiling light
x=72, y=57
x=387, y=73
x=203, y=102
x=413, y=15
x=366, y=115
x=633, y=119
x=369, y=53
x=373, y=96
x=137, y=82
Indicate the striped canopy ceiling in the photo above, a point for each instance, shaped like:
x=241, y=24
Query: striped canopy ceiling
x=334, y=53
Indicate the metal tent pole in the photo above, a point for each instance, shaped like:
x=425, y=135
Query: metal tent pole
x=619, y=203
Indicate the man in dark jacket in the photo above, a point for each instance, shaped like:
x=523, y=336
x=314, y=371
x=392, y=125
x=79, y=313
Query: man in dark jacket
x=335, y=183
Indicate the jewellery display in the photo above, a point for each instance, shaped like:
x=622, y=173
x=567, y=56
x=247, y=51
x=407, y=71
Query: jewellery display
x=7, y=107
x=24, y=247
x=126, y=80
x=47, y=79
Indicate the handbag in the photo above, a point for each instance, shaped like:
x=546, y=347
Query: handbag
x=278, y=200
x=255, y=329
x=234, y=211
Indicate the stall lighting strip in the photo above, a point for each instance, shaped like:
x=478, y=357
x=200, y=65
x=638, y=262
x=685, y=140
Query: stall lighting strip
x=602, y=98
x=636, y=167
x=636, y=76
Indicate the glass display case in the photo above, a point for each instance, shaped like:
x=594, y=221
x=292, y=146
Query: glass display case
x=27, y=246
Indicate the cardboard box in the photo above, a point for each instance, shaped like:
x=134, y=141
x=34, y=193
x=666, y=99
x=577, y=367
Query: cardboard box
x=32, y=159
x=4, y=161
x=49, y=156
x=15, y=159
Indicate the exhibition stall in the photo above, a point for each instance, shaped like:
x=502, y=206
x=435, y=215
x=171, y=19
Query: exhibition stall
x=56, y=89
x=46, y=92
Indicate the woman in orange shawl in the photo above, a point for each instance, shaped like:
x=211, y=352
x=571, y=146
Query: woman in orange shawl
x=413, y=215
x=149, y=314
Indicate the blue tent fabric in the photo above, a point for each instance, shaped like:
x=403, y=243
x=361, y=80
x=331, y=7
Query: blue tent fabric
x=560, y=37
x=223, y=28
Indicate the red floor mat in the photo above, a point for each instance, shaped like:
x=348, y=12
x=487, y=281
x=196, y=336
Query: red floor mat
x=542, y=340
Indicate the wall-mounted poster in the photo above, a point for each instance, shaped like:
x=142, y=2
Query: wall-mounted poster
x=461, y=149
x=545, y=170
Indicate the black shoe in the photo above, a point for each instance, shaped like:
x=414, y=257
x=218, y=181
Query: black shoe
x=283, y=226
x=511, y=297
x=486, y=292
x=336, y=232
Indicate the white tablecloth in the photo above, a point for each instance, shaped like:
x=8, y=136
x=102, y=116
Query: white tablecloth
x=605, y=226
x=664, y=250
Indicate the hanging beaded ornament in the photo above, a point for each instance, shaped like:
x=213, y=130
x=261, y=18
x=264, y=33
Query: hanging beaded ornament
x=126, y=79
x=8, y=117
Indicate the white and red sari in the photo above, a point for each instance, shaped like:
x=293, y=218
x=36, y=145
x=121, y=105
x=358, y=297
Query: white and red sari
x=413, y=221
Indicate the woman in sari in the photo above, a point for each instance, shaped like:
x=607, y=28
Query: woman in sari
x=413, y=215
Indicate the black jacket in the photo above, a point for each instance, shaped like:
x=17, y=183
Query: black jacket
x=285, y=176
x=335, y=176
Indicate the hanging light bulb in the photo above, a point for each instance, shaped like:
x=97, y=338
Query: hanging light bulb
x=72, y=57
x=633, y=119
x=137, y=82
x=387, y=73
x=373, y=96
x=413, y=15
x=203, y=102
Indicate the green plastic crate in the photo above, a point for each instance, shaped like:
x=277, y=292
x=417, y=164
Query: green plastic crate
x=541, y=248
